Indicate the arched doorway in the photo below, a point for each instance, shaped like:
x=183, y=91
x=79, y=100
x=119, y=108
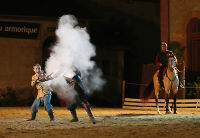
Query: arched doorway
x=193, y=43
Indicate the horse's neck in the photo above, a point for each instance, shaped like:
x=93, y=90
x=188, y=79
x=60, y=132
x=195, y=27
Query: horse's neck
x=171, y=72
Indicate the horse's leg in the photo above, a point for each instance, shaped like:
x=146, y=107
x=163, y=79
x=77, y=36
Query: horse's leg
x=168, y=110
x=157, y=106
x=156, y=99
x=156, y=90
x=174, y=103
x=175, y=94
x=158, y=110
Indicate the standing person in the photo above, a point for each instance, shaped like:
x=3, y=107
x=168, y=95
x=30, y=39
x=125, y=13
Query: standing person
x=39, y=79
x=77, y=84
x=162, y=61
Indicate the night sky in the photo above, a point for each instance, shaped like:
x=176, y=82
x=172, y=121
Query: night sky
x=46, y=8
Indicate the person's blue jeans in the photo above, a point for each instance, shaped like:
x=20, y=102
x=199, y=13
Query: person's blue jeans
x=45, y=100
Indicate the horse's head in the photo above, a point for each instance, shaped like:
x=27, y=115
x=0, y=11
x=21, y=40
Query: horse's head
x=172, y=62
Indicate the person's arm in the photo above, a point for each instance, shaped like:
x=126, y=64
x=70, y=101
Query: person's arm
x=46, y=77
x=175, y=59
x=49, y=77
x=68, y=80
x=172, y=54
x=34, y=81
x=157, y=61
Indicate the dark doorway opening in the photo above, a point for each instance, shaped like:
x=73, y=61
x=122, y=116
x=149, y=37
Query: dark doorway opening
x=193, y=35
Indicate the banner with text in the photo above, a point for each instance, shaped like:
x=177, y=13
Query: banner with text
x=19, y=30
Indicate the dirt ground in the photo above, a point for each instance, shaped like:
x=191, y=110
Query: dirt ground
x=111, y=123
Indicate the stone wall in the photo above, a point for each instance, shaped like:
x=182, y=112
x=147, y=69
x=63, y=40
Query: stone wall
x=181, y=12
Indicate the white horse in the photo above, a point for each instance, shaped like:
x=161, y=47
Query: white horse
x=171, y=83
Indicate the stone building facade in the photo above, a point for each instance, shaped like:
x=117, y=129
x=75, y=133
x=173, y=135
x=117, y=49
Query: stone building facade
x=180, y=25
x=184, y=21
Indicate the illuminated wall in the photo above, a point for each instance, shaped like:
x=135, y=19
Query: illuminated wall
x=21, y=43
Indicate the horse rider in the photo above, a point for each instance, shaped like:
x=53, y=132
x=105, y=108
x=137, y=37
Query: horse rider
x=44, y=92
x=162, y=61
x=77, y=83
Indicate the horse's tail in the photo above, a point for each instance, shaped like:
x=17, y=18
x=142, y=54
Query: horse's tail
x=148, y=91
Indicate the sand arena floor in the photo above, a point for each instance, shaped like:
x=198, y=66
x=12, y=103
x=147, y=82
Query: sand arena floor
x=111, y=123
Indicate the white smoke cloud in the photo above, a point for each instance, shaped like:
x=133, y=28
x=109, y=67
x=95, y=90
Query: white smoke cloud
x=73, y=49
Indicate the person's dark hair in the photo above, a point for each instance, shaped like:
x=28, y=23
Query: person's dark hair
x=163, y=43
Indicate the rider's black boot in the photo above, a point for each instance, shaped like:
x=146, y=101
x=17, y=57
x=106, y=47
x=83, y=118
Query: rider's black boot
x=161, y=82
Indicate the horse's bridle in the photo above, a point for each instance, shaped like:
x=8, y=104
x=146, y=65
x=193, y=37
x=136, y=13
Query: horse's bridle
x=171, y=69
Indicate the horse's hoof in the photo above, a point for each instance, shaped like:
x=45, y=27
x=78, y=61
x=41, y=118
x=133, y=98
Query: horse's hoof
x=176, y=112
x=159, y=112
x=168, y=112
